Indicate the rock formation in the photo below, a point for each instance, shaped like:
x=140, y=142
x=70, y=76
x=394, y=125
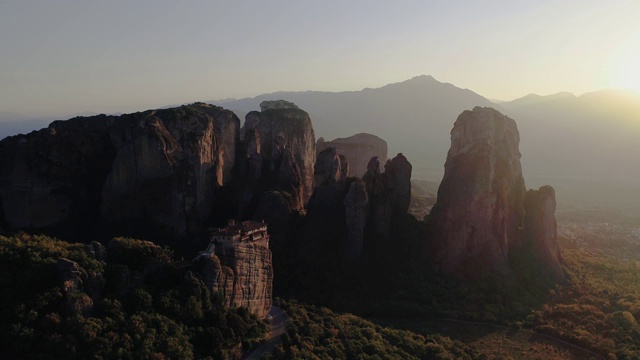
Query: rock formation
x=480, y=199
x=379, y=218
x=282, y=128
x=243, y=277
x=329, y=167
x=355, y=204
x=358, y=149
x=478, y=218
x=249, y=172
x=165, y=168
x=155, y=171
x=398, y=172
x=359, y=211
x=389, y=195
x=540, y=239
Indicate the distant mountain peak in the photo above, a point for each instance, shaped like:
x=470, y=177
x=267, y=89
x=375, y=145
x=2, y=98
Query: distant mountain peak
x=423, y=78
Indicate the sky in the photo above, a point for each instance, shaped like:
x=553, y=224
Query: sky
x=66, y=57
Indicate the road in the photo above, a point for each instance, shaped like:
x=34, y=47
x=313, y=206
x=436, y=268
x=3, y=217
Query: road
x=278, y=327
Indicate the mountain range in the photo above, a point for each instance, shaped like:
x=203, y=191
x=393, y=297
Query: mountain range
x=580, y=143
x=568, y=140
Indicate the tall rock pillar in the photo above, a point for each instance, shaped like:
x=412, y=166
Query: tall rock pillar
x=480, y=199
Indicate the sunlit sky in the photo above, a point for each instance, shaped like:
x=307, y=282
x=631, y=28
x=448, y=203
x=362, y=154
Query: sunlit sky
x=63, y=57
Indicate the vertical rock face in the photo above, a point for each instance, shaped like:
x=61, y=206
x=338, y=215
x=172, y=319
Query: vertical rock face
x=154, y=171
x=290, y=178
x=249, y=172
x=480, y=199
x=55, y=175
x=541, y=240
x=357, y=149
x=329, y=168
x=398, y=171
x=282, y=125
x=355, y=204
x=165, y=170
x=243, y=277
x=389, y=193
x=379, y=219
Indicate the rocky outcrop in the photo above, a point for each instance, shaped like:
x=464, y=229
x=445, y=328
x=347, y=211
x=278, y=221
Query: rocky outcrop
x=480, y=199
x=355, y=204
x=379, y=219
x=243, y=276
x=329, y=167
x=249, y=173
x=55, y=175
x=484, y=219
x=357, y=214
x=398, y=174
x=290, y=178
x=153, y=173
x=164, y=171
x=283, y=128
x=389, y=196
x=540, y=228
x=357, y=149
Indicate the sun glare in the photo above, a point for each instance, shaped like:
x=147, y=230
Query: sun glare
x=625, y=70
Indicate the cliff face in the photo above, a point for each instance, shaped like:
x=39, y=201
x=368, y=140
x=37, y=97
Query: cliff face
x=283, y=128
x=356, y=214
x=482, y=220
x=330, y=167
x=55, y=175
x=276, y=155
x=158, y=174
x=166, y=169
x=389, y=196
x=243, y=276
x=480, y=199
x=540, y=238
x=357, y=149
x=156, y=170
x=355, y=204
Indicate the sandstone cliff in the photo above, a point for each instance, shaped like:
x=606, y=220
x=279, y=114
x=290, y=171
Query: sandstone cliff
x=243, y=276
x=330, y=167
x=355, y=204
x=540, y=239
x=154, y=172
x=389, y=196
x=358, y=149
x=476, y=224
x=480, y=199
x=284, y=131
x=356, y=214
